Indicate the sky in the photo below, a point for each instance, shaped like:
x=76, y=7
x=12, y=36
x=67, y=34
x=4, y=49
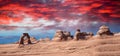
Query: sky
x=43, y=17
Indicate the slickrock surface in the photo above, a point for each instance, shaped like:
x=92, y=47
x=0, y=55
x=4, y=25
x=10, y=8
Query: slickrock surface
x=105, y=46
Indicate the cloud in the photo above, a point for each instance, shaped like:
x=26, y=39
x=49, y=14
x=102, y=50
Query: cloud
x=6, y=27
x=57, y=14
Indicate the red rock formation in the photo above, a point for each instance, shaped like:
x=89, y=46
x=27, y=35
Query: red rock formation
x=22, y=39
x=104, y=30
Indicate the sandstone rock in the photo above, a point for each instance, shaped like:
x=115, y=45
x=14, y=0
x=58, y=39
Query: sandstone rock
x=90, y=34
x=33, y=40
x=82, y=35
x=47, y=39
x=56, y=39
x=58, y=32
x=22, y=39
x=68, y=35
x=97, y=37
x=104, y=30
x=77, y=34
x=59, y=36
x=117, y=34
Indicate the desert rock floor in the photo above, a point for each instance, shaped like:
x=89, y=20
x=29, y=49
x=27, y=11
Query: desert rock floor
x=92, y=47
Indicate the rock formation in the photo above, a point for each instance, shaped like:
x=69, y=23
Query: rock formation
x=56, y=36
x=68, y=35
x=82, y=35
x=33, y=40
x=22, y=39
x=59, y=36
x=77, y=34
x=104, y=30
x=90, y=34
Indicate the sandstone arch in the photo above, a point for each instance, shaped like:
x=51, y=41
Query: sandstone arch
x=22, y=39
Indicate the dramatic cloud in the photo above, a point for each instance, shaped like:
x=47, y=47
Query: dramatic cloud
x=5, y=27
x=57, y=14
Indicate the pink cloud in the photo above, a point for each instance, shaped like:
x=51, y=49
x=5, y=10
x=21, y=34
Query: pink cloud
x=57, y=14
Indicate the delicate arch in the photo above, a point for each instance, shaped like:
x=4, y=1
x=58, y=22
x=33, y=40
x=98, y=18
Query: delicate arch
x=22, y=38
